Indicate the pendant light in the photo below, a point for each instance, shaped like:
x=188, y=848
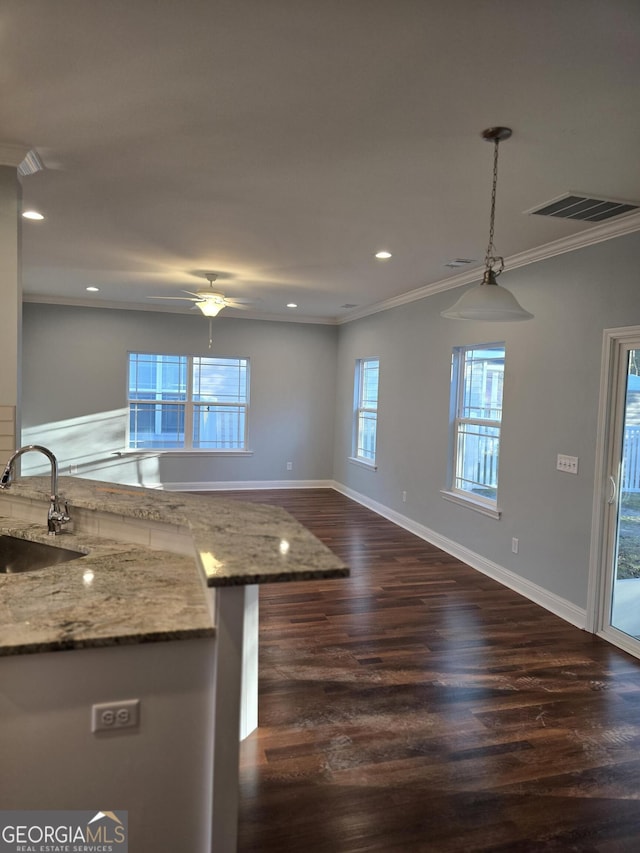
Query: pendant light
x=488, y=300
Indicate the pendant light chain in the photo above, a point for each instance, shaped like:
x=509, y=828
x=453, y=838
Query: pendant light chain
x=488, y=301
x=491, y=258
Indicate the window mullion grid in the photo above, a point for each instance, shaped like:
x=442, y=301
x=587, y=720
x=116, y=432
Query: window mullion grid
x=464, y=380
x=460, y=380
x=188, y=407
x=357, y=403
x=479, y=422
x=244, y=424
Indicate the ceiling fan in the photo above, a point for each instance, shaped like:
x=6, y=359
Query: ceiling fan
x=209, y=301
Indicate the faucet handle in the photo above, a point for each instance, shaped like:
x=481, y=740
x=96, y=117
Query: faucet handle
x=58, y=520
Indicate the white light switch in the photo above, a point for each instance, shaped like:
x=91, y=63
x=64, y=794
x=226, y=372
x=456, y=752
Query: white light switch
x=568, y=464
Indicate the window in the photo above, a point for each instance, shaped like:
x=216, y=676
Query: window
x=187, y=402
x=477, y=379
x=365, y=410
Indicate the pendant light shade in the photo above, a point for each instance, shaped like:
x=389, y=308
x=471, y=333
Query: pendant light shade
x=489, y=301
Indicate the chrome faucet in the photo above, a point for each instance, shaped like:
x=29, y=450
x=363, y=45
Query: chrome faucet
x=57, y=519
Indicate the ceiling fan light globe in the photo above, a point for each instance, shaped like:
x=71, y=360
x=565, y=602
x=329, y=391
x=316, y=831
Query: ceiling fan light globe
x=209, y=308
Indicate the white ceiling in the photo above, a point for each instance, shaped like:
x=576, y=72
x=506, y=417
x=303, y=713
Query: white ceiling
x=280, y=143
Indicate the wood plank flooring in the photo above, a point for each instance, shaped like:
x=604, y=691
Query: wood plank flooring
x=420, y=706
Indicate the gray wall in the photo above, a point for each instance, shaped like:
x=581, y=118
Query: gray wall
x=551, y=392
x=302, y=376
x=74, y=393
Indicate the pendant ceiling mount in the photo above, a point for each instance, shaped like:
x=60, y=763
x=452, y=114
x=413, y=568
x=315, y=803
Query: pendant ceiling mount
x=496, y=134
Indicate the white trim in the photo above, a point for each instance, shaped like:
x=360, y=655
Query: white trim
x=12, y=154
x=176, y=451
x=620, y=639
x=597, y=234
x=550, y=601
x=597, y=595
x=597, y=543
x=359, y=408
x=88, y=302
x=362, y=463
x=245, y=485
x=470, y=503
x=589, y=237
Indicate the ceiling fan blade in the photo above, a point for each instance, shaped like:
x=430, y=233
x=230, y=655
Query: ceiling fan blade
x=191, y=293
x=239, y=301
x=237, y=305
x=181, y=298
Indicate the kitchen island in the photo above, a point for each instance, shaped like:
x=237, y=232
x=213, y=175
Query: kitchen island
x=162, y=608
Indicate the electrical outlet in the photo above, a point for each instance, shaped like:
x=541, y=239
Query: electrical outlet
x=568, y=464
x=404, y=497
x=515, y=545
x=110, y=716
x=289, y=466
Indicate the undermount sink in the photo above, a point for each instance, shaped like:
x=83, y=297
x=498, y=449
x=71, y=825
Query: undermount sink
x=22, y=555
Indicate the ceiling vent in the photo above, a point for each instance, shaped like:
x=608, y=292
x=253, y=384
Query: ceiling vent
x=458, y=262
x=31, y=164
x=588, y=208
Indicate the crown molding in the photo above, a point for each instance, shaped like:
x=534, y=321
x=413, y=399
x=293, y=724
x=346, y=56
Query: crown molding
x=75, y=302
x=589, y=237
x=597, y=234
x=12, y=153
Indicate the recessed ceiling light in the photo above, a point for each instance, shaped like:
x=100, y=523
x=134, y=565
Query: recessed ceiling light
x=292, y=304
x=93, y=289
x=32, y=214
x=383, y=256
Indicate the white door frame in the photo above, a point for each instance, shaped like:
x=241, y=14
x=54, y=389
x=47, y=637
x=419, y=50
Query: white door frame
x=608, y=450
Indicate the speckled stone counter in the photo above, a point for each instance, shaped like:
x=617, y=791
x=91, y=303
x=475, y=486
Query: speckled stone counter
x=116, y=594
x=148, y=557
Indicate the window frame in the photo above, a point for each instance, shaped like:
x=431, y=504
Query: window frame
x=359, y=409
x=190, y=407
x=458, y=421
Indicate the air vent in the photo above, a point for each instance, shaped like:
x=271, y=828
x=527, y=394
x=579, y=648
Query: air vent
x=31, y=164
x=588, y=208
x=458, y=262
x=349, y=305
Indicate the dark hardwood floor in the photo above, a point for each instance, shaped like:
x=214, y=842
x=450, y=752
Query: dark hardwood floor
x=421, y=706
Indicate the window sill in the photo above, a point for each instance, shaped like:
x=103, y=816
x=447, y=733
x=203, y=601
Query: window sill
x=371, y=466
x=468, y=502
x=177, y=451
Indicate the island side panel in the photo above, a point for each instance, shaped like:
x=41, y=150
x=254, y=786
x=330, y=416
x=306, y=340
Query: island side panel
x=230, y=625
x=159, y=772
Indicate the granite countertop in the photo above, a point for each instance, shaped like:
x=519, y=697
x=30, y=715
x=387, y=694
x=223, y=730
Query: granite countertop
x=121, y=593
x=85, y=603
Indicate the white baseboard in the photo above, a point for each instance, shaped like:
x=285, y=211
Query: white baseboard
x=550, y=601
x=246, y=485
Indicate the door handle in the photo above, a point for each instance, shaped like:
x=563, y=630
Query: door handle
x=614, y=490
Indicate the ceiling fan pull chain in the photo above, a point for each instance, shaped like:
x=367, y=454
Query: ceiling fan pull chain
x=210, y=332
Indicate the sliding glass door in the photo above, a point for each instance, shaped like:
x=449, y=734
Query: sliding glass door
x=624, y=497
